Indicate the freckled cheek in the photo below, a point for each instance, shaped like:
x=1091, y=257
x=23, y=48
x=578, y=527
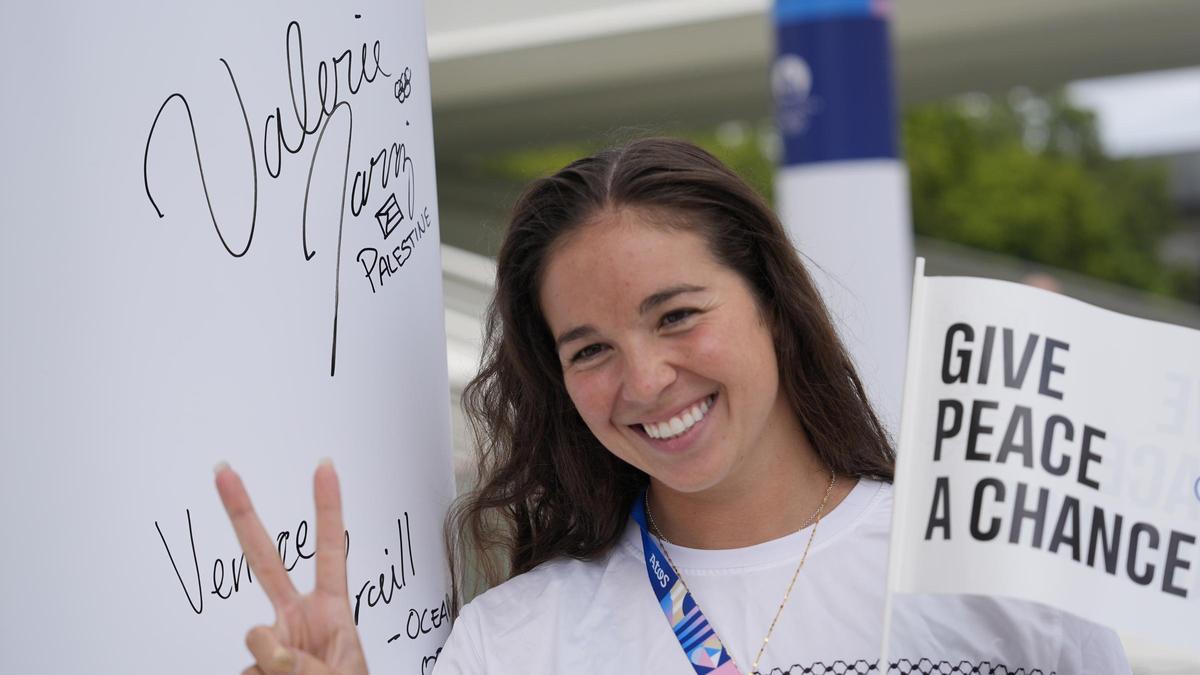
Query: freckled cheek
x=592, y=395
x=733, y=357
x=715, y=354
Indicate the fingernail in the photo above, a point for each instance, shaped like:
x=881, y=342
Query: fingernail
x=283, y=660
x=325, y=461
x=221, y=466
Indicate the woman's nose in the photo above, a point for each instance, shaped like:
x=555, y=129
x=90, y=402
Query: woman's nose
x=647, y=373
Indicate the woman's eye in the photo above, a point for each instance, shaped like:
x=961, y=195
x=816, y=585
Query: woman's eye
x=586, y=353
x=676, y=316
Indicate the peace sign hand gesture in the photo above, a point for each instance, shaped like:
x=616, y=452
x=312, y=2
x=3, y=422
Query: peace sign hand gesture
x=313, y=634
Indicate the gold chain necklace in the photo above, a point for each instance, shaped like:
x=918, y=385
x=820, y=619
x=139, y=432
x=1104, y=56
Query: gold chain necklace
x=813, y=520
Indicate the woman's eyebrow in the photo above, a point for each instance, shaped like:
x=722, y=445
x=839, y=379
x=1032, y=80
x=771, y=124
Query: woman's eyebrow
x=655, y=299
x=574, y=334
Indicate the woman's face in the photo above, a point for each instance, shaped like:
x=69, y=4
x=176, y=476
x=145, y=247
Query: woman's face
x=665, y=353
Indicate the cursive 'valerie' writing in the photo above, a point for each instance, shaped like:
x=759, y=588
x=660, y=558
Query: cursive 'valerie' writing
x=337, y=80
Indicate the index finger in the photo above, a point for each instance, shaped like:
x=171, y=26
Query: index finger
x=256, y=544
x=331, y=540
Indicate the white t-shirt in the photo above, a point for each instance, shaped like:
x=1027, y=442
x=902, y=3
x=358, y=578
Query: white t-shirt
x=568, y=616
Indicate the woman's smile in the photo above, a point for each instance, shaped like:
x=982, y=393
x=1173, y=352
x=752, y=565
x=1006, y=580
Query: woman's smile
x=681, y=432
x=674, y=426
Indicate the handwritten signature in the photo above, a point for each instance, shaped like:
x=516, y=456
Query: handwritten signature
x=293, y=548
x=337, y=81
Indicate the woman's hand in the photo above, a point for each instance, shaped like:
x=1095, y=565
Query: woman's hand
x=313, y=634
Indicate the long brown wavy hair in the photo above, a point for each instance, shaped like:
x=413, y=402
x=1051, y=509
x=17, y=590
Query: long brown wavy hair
x=546, y=486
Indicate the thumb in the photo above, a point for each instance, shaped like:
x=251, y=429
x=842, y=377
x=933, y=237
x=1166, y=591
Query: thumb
x=275, y=658
x=307, y=664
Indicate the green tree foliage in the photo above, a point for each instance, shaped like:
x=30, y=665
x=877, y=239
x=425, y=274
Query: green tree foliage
x=1023, y=176
x=1027, y=177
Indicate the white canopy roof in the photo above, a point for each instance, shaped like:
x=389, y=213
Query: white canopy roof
x=529, y=71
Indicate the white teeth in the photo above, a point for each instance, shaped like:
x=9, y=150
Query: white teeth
x=678, y=424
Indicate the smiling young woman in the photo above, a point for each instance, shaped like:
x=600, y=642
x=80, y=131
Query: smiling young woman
x=631, y=285
x=680, y=470
x=655, y=342
x=672, y=368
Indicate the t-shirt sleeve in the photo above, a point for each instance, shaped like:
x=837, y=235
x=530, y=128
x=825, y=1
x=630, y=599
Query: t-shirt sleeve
x=1102, y=652
x=461, y=655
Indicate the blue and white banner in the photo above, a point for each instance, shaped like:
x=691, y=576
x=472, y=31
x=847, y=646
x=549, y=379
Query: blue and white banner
x=832, y=81
x=842, y=190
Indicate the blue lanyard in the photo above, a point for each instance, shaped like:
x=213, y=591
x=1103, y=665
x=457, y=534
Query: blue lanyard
x=696, y=636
